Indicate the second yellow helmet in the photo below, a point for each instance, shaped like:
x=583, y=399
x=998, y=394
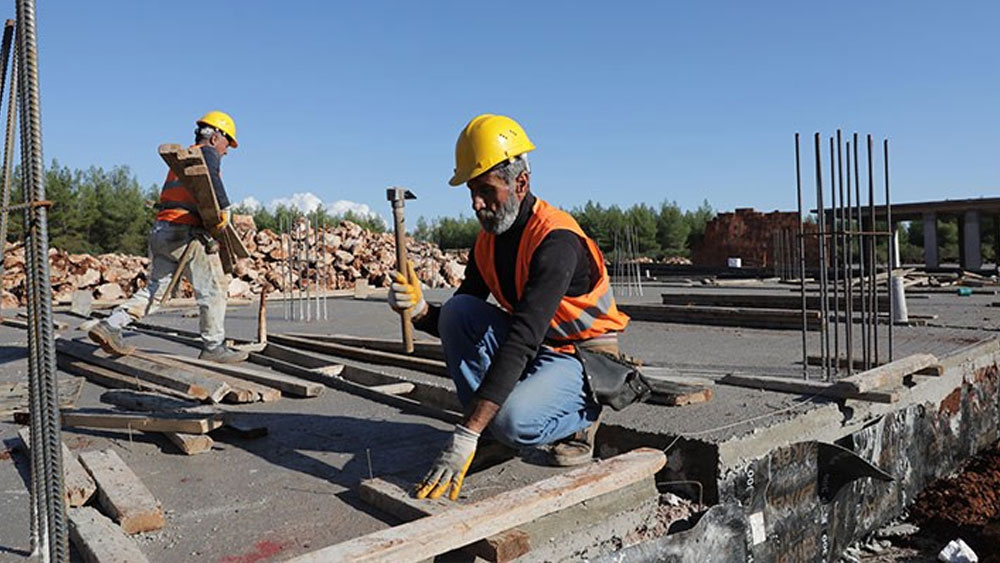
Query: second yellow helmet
x=485, y=142
x=223, y=122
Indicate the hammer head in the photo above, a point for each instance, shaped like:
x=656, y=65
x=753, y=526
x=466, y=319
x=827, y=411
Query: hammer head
x=396, y=194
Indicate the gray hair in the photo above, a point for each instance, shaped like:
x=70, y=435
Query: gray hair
x=204, y=133
x=509, y=170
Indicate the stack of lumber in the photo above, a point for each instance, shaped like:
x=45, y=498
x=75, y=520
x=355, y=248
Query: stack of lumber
x=349, y=254
x=107, y=502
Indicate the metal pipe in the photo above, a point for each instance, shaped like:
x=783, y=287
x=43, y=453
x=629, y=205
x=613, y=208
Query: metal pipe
x=862, y=286
x=37, y=243
x=892, y=243
x=802, y=259
x=873, y=239
x=834, y=236
x=821, y=239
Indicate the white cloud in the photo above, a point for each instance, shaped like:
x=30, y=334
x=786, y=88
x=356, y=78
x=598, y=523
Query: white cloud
x=308, y=202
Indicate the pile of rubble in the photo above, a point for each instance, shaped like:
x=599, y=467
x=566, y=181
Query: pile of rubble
x=337, y=258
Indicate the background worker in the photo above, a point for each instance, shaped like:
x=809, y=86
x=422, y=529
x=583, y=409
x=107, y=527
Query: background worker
x=513, y=365
x=177, y=224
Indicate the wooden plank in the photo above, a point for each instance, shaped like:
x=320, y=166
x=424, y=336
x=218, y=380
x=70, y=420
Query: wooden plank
x=971, y=353
x=808, y=387
x=135, y=366
x=676, y=394
x=403, y=403
x=397, y=501
x=292, y=385
x=436, y=395
x=98, y=540
x=241, y=390
x=423, y=349
x=722, y=316
x=77, y=483
x=435, y=367
x=890, y=374
x=191, y=444
x=14, y=396
x=112, y=379
x=761, y=300
x=395, y=388
x=466, y=524
x=190, y=423
x=121, y=493
x=145, y=401
x=859, y=364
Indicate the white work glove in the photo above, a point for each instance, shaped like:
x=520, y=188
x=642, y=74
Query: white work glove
x=450, y=468
x=405, y=293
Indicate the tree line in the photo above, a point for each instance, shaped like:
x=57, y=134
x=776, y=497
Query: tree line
x=655, y=232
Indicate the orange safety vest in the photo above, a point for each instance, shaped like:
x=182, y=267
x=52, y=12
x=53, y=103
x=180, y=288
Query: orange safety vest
x=578, y=317
x=177, y=203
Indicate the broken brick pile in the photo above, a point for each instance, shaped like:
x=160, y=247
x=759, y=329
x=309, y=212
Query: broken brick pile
x=351, y=253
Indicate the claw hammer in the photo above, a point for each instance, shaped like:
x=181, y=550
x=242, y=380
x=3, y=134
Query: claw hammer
x=398, y=197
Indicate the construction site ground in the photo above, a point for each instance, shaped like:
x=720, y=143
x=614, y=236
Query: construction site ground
x=294, y=490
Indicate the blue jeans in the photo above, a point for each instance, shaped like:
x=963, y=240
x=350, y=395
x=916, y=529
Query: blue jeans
x=548, y=403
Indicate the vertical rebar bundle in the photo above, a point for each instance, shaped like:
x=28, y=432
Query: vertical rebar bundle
x=847, y=237
x=48, y=479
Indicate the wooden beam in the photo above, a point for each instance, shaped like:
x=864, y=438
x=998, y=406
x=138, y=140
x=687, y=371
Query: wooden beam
x=77, y=483
x=190, y=423
x=134, y=365
x=435, y=367
x=122, y=495
x=423, y=349
x=14, y=395
x=98, y=540
x=341, y=384
x=241, y=390
x=190, y=444
x=889, y=375
x=466, y=524
x=292, y=385
x=859, y=364
x=394, y=388
x=760, y=300
x=439, y=396
x=722, y=316
x=808, y=387
x=393, y=499
x=145, y=401
x=113, y=379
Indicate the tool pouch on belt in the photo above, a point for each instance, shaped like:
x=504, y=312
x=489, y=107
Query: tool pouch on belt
x=611, y=381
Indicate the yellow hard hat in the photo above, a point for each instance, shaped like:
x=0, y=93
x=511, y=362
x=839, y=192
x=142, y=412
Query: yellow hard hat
x=223, y=122
x=485, y=142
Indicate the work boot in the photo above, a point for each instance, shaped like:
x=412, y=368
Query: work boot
x=110, y=339
x=223, y=355
x=576, y=449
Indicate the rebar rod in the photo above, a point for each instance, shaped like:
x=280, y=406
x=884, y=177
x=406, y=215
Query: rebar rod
x=802, y=260
x=892, y=244
x=5, y=55
x=293, y=262
x=848, y=234
x=862, y=286
x=843, y=246
x=821, y=241
x=37, y=243
x=834, y=237
x=316, y=268
x=873, y=239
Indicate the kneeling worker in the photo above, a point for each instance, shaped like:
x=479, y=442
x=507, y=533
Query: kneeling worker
x=177, y=224
x=513, y=366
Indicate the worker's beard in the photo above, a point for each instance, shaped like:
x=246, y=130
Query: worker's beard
x=497, y=222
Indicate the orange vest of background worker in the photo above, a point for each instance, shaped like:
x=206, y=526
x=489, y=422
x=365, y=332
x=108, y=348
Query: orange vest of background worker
x=582, y=317
x=178, y=228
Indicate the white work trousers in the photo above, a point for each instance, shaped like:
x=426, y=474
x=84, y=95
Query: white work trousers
x=167, y=242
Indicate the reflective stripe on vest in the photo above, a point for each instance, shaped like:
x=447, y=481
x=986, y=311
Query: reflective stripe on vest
x=177, y=204
x=577, y=317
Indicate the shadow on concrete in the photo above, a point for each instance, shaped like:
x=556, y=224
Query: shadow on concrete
x=10, y=354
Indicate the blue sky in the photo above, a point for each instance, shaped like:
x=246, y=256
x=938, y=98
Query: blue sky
x=626, y=101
